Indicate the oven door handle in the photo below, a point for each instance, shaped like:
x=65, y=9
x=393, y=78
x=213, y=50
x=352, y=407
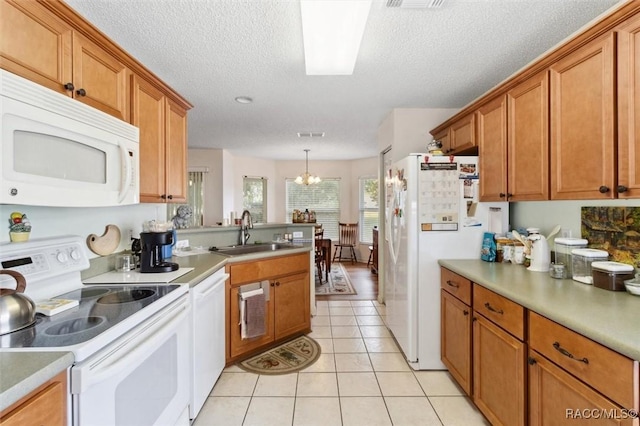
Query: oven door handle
x=112, y=361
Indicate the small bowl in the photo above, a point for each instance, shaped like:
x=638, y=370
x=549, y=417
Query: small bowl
x=633, y=287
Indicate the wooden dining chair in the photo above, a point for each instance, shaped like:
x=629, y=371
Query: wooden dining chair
x=347, y=238
x=319, y=235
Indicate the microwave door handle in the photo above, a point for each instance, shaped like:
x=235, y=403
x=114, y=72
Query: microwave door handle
x=126, y=161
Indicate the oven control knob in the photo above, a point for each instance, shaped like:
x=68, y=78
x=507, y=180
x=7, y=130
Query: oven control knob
x=62, y=257
x=75, y=255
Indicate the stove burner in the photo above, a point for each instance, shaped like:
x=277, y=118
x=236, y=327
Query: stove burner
x=87, y=293
x=125, y=296
x=75, y=325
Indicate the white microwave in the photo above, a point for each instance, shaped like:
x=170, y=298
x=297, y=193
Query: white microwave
x=57, y=151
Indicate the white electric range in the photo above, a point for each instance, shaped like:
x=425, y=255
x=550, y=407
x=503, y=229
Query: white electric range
x=130, y=342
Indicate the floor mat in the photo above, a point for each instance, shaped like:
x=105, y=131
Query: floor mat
x=289, y=357
x=338, y=283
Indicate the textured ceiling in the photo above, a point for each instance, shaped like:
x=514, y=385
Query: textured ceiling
x=212, y=51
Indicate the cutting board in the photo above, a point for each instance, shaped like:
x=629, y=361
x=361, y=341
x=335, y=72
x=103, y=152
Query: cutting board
x=106, y=243
x=132, y=277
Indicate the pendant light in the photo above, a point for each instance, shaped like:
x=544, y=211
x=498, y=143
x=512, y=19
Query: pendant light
x=306, y=178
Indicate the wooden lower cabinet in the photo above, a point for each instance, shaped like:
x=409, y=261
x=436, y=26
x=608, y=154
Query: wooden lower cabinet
x=455, y=339
x=499, y=367
x=557, y=398
x=46, y=406
x=287, y=312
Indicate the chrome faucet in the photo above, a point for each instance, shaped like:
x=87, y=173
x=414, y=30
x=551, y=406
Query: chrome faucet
x=246, y=223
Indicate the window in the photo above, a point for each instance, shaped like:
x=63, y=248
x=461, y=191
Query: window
x=368, y=208
x=323, y=198
x=254, y=198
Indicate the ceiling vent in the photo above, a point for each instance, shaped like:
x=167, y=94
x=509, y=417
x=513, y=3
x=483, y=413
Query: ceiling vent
x=415, y=4
x=311, y=134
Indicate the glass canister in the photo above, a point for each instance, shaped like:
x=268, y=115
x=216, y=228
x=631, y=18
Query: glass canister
x=581, y=263
x=563, y=247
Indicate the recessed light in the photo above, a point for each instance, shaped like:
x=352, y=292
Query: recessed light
x=244, y=100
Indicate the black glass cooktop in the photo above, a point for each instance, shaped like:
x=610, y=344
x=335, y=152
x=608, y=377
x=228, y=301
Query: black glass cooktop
x=99, y=309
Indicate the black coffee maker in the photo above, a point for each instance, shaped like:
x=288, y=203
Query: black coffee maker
x=151, y=259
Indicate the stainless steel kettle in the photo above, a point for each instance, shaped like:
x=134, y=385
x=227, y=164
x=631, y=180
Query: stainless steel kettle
x=17, y=310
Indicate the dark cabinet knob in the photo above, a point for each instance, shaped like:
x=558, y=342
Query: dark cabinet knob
x=81, y=92
x=170, y=197
x=622, y=188
x=603, y=189
x=68, y=87
x=531, y=361
x=502, y=195
x=163, y=196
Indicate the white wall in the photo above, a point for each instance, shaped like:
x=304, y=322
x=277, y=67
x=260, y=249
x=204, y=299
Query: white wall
x=212, y=159
x=407, y=129
x=56, y=221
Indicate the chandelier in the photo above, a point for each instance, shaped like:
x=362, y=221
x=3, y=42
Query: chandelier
x=306, y=178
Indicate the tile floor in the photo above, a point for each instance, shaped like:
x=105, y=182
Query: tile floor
x=361, y=378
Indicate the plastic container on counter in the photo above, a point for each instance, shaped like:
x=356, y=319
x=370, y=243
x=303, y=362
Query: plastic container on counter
x=611, y=275
x=563, y=247
x=582, y=259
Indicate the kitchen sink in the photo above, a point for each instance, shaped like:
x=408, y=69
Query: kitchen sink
x=251, y=248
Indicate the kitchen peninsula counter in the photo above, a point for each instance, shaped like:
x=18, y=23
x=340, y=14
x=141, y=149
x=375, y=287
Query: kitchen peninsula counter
x=610, y=318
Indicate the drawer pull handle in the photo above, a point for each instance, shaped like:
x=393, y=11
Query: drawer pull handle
x=452, y=284
x=492, y=309
x=568, y=354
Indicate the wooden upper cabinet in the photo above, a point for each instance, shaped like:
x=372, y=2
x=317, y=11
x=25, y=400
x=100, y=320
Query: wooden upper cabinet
x=583, y=122
x=100, y=80
x=176, y=153
x=39, y=46
x=528, y=139
x=629, y=109
x=492, y=150
x=463, y=134
x=35, y=44
x=443, y=137
x=148, y=114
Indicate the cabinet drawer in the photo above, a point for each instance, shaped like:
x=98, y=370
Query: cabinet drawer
x=456, y=284
x=503, y=312
x=258, y=270
x=614, y=375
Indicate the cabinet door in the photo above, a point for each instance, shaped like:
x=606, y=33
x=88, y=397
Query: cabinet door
x=629, y=109
x=444, y=139
x=148, y=114
x=47, y=405
x=498, y=373
x=583, y=122
x=238, y=346
x=455, y=339
x=463, y=133
x=292, y=305
x=528, y=136
x=100, y=80
x=557, y=398
x=492, y=149
x=176, y=153
x=35, y=45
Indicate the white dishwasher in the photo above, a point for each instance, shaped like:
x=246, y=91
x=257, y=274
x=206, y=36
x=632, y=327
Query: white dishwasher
x=207, y=337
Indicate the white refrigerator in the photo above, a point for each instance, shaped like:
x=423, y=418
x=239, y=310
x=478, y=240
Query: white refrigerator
x=432, y=213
